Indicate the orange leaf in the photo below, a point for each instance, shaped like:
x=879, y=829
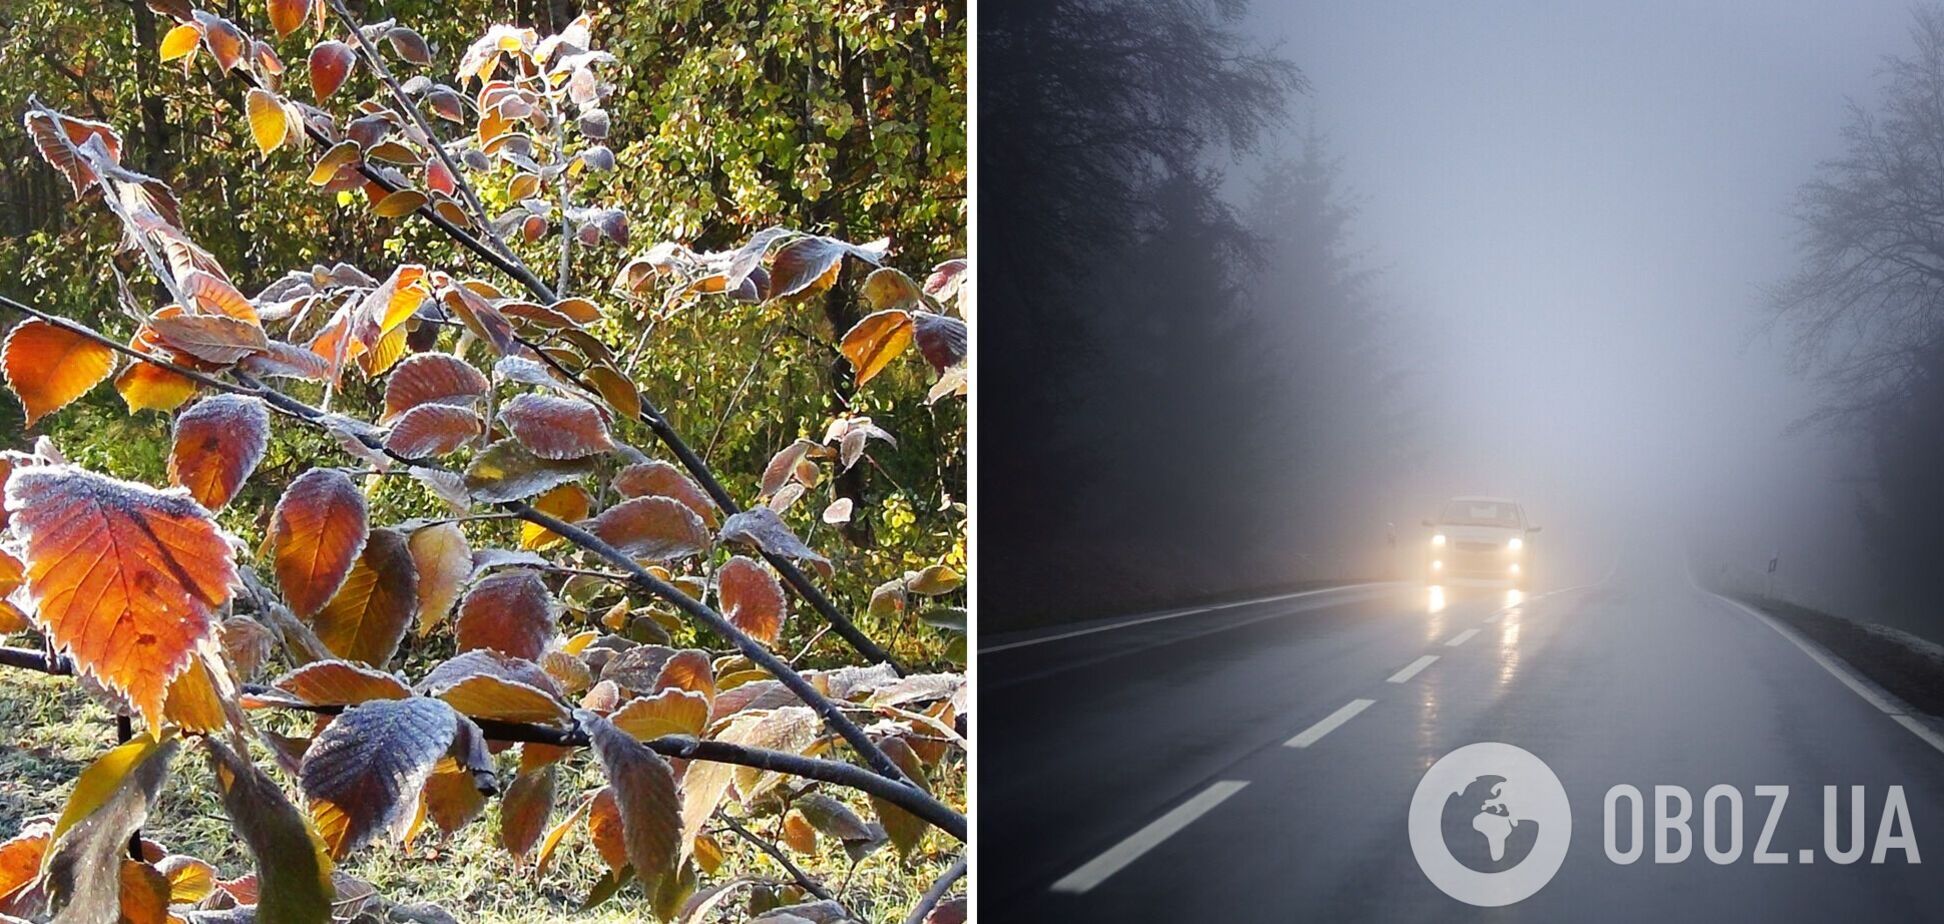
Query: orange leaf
x=510, y=612
x=215, y=296
x=218, y=443
x=556, y=427
x=287, y=15
x=49, y=366
x=400, y=202
x=751, y=598
x=875, y=341
x=673, y=711
x=484, y=696
x=318, y=530
x=127, y=579
x=340, y=683
x=368, y=617
x=524, y=810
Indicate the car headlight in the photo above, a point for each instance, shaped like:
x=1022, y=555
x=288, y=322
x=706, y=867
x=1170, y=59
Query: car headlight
x=1516, y=544
x=1438, y=539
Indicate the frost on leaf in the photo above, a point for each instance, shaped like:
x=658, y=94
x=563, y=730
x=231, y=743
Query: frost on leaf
x=652, y=528
x=554, y=427
x=660, y=479
x=125, y=578
x=361, y=774
x=751, y=598
x=49, y=366
x=218, y=443
x=511, y=612
x=318, y=530
x=762, y=528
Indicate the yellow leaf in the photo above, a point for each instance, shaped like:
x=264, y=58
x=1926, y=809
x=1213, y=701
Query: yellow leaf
x=268, y=126
x=102, y=779
x=181, y=42
x=875, y=341
x=401, y=202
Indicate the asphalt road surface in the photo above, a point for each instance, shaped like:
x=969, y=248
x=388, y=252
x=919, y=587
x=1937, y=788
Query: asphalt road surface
x=1257, y=762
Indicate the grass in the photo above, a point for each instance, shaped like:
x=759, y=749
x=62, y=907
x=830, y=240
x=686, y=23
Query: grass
x=57, y=730
x=1909, y=667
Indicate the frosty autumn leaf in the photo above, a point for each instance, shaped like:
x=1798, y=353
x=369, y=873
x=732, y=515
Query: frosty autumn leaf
x=218, y=443
x=49, y=366
x=751, y=598
x=127, y=579
x=318, y=530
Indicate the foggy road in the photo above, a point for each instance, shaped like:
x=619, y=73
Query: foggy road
x=1257, y=762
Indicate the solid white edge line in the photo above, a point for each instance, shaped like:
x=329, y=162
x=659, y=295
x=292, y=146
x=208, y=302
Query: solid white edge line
x=1842, y=673
x=1176, y=614
x=1461, y=638
x=1315, y=733
x=1411, y=670
x=1096, y=871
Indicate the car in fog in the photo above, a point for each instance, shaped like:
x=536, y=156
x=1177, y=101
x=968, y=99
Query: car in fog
x=1480, y=538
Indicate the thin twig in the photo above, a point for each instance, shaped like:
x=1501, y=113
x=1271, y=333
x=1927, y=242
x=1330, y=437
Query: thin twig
x=803, y=879
x=936, y=893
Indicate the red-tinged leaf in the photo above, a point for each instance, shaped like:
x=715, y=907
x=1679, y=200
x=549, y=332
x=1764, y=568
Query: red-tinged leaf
x=946, y=280
x=875, y=341
x=941, y=339
x=433, y=378
x=409, y=45
x=147, y=387
x=340, y=683
x=56, y=136
x=218, y=443
x=805, y=264
x=282, y=360
x=688, y=669
x=287, y=15
x=211, y=338
x=653, y=528
x=644, y=795
x=443, y=561
x=433, y=430
x=507, y=471
x=49, y=366
x=180, y=42
x=439, y=178
x=330, y=63
x=487, y=662
x=368, y=617
x=557, y=427
x=604, y=829
x=524, y=810
x=660, y=479
x=569, y=502
x=362, y=772
x=783, y=466
x=510, y=612
x=225, y=41
x=318, y=531
x=212, y=295
x=125, y=578
x=762, y=528
x=673, y=711
x=751, y=598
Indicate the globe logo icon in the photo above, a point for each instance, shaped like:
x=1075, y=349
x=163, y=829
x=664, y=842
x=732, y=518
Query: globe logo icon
x=1484, y=828
x=1489, y=824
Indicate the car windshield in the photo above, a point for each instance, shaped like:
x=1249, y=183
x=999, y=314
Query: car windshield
x=1482, y=513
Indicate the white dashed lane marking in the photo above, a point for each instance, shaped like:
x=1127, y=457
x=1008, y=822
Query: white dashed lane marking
x=1315, y=733
x=1118, y=856
x=1411, y=670
x=1461, y=638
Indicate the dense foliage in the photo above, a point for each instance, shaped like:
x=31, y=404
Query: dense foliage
x=475, y=468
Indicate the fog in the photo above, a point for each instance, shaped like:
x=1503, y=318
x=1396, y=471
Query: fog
x=1581, y=204
x=1550, y=234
